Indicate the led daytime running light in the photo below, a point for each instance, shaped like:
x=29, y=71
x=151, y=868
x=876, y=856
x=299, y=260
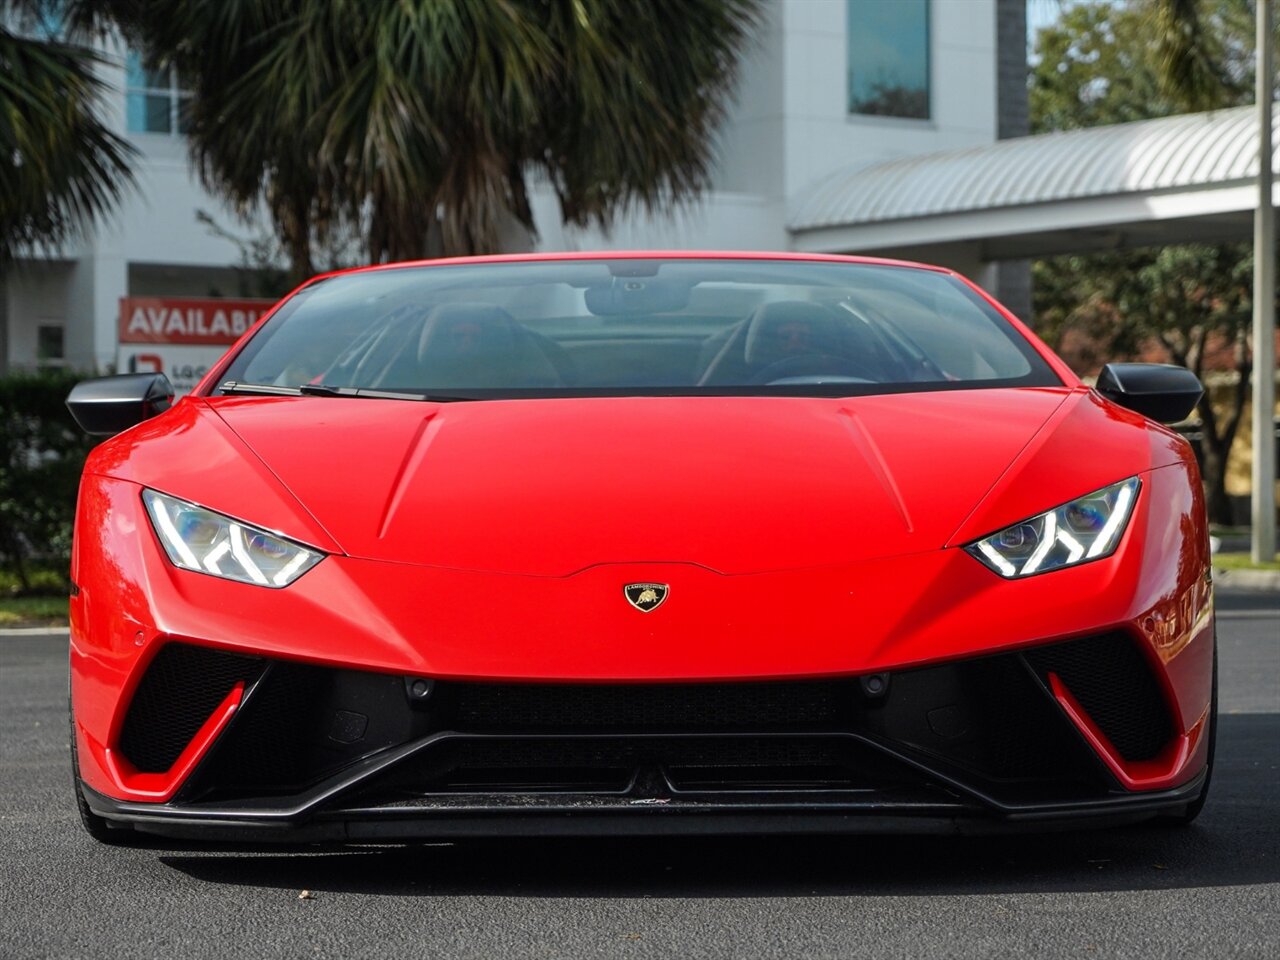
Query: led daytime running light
x=206, y=542
x=1088, y=528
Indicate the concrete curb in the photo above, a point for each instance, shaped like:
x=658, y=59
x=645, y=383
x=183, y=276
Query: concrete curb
x=1251, y=581
x=34, y=631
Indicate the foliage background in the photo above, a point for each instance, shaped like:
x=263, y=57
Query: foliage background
x=1191, y=304
x=420, y=124
x=41, y=454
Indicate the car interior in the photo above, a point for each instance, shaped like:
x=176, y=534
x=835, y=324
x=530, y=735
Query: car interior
x=460, y=345
x=634, y=332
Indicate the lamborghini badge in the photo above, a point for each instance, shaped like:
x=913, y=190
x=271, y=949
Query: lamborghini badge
x=646, y=597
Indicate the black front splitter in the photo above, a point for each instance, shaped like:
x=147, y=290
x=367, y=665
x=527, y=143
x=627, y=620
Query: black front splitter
x=567, y=816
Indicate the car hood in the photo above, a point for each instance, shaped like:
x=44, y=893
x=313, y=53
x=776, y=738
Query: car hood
x=551, y=487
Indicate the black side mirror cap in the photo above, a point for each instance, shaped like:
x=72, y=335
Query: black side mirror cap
x=108, y=405
x=1160, y=391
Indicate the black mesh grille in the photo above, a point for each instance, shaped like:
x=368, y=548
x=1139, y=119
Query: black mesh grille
x=178, y=693
x=985, y=721
x=685, y=752
x=295, y=729
x=1112, y=682
x=647, y=765
x=689, y=707
x=268, y=745
x=986, y=716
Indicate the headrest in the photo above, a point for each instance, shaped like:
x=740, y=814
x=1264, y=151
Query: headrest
x=480, y=345
x=465, y=330
x=792, y=328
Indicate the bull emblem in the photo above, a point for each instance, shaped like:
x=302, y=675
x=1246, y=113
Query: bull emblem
x=646, y=597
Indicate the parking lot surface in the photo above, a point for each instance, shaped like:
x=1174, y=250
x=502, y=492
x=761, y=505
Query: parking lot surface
x=1212, y=890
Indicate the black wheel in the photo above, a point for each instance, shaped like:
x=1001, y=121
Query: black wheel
x=94, y=825
x=1195, y=806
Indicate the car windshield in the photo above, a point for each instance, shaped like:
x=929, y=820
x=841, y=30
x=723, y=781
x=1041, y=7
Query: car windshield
x=636, y=327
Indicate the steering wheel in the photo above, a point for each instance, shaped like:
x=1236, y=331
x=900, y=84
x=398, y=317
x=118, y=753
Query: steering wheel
x=813, y=364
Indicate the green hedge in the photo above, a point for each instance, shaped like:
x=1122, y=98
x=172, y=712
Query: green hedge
x=41, y=454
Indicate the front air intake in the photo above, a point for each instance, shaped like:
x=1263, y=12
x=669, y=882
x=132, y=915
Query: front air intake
x=1110, y=679
x=181, y=688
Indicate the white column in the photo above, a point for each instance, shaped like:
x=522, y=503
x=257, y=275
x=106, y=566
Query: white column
x=1264, y=309
x=98, y=281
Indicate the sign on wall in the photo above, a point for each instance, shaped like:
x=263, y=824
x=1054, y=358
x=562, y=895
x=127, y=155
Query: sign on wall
x=181, y=337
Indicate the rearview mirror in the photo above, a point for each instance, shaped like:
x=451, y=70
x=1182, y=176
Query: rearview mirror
x=637, y=295
x=107, y=405
x=1161, y=391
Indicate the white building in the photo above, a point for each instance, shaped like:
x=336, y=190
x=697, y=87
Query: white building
x=827, y=85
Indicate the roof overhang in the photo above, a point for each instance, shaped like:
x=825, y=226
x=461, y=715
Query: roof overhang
x=1189, y=177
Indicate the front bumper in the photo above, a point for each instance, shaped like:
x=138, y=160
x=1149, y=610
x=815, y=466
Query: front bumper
x=313, y=754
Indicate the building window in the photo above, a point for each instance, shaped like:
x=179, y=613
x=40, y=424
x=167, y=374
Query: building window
x=889, y=58
x=49, y=346
x=155, y=102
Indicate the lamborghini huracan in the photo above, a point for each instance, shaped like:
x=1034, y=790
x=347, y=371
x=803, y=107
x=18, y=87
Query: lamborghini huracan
x=639, y=543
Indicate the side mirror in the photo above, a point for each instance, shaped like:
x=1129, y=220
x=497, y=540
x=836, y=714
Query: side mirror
x=1161, y=391
x=106, y=406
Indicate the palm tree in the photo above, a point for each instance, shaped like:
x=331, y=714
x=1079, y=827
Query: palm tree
x=60, y=167
x=1198, y=70
x=424, y=122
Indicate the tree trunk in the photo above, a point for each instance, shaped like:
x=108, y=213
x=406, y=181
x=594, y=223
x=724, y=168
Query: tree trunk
x=1217, y=438
x=293, y=220
x=14, y=551
x=24, y=581
x=1213, y=475
x=1213, y=464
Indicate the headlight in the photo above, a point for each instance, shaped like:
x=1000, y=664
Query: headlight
x=207, y=542
x=1085, y=529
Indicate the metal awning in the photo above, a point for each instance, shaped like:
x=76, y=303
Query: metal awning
x=1153, y=181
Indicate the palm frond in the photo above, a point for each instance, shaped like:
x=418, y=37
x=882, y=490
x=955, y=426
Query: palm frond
x=1189, y=56
x=60, y=166
x=422, y=119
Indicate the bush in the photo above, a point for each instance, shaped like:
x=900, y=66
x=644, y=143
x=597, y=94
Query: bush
x=41, y=454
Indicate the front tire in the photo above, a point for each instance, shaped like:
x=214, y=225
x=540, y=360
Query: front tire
x=94, y=825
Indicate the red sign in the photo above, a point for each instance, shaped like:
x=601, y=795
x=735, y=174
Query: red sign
x=201, y=322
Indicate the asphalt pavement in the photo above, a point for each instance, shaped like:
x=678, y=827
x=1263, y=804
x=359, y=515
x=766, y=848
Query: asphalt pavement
x=1211, y=890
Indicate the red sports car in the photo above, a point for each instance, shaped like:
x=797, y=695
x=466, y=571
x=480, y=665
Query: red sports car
x=639, y=543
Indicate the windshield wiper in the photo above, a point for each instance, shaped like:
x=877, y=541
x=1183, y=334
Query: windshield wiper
x=324, y=390
x=259, y=389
